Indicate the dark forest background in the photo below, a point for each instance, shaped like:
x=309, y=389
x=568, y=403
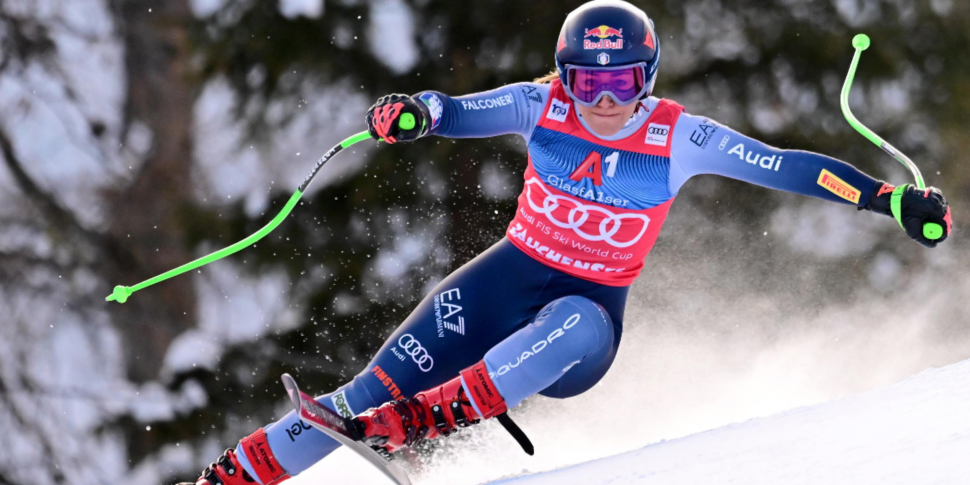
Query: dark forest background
x=362, y=248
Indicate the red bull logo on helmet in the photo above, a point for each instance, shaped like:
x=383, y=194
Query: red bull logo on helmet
x=604, y=33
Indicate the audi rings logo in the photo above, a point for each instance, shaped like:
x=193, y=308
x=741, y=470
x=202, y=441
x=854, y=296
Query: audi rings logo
x=418, y=354
x=579, y=213
x=658, y=131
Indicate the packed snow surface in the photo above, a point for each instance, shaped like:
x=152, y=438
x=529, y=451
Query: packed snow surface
x=914, y=432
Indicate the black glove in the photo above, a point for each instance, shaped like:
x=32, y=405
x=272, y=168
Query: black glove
x=916, y=207
x=383, y=119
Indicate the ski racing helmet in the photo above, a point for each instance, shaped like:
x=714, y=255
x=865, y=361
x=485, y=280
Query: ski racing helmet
x=608, y=47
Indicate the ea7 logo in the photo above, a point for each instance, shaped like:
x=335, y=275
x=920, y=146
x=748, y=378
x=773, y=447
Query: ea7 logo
x=558, y=111
x=657, y=134
x=702, y=135
x=446, y=306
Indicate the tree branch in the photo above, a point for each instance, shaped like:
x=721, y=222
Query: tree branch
x=59, y=218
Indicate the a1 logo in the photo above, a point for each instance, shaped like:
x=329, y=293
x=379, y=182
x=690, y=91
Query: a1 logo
x=592, y=167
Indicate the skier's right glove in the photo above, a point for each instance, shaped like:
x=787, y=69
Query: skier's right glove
x=384, y=119
x=916, y=208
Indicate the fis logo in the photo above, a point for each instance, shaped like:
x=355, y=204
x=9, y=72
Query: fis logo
x=434, y=106
x=603, y=33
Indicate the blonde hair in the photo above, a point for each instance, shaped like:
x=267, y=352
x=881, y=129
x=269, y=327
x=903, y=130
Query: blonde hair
x=548, y=78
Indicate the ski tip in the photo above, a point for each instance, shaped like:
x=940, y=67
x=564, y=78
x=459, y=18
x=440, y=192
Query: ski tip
x=292, y=390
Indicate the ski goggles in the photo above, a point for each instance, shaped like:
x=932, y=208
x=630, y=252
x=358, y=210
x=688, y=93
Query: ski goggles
x=625, y=84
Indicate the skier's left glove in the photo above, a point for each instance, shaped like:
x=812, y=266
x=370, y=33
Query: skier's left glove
x=384, y=119
x=916, y=207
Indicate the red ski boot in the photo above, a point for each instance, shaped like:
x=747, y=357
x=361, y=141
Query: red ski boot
x=227, y=470
x=439, y=411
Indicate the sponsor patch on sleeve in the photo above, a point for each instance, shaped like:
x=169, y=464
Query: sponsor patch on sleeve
x=435, y=106
x=837, y=186
x=558, y=110
x=340, y=404
x=657, y=134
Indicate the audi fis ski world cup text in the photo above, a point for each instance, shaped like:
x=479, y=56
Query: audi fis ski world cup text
x=521, y=233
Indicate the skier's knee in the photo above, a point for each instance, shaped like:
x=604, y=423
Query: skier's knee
x=582, y=374
x=589, y=323
x=568, y=334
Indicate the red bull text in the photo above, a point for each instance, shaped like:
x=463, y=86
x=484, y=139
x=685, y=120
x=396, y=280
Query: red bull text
x=603, y=33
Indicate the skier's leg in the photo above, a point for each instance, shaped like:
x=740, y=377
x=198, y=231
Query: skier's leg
x=453, y=327
x=564, y=352
x=572, y=336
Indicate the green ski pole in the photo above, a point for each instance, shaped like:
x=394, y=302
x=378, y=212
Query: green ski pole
x=122, y=293
x=931, y=230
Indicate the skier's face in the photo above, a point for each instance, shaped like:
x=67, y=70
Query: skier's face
x=607, y=117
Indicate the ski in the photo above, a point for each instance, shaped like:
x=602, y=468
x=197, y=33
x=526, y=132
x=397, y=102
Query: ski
x=340, y=429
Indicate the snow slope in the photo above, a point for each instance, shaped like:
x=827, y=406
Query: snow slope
x=914, y=432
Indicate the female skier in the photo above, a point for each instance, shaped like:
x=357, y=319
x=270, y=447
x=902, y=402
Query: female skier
x=541, y=311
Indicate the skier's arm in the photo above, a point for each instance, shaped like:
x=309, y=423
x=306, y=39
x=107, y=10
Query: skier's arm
x=512, y=109
x=702, y=146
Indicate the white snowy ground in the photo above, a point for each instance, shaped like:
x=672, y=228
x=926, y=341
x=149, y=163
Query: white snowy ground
x=914, y=432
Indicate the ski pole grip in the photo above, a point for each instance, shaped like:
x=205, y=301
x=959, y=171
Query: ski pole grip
x=931, y=230
x=407, y=122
